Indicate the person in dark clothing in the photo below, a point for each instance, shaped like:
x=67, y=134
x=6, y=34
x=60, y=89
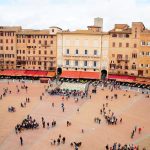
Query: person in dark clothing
x=21, y=141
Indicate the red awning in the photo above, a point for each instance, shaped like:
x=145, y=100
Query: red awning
x=80, y=74
x=41, y=73
x=8, y=72
x=30, y=72
x=122, y=78
x=19, y=73
x=70, y=74
x=89, y=75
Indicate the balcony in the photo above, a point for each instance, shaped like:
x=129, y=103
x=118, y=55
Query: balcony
x=20, y=62
x=126, y=60
x=45, y=45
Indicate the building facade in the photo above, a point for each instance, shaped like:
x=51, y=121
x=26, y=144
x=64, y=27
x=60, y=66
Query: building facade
x=83, y=50
x=144, y=55
x=8, y=47
x=124, y=49
x=28, y=49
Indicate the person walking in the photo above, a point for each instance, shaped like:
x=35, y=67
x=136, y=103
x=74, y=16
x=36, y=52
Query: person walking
x=21, y=141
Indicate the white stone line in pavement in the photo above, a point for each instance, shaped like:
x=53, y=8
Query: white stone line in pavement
x=145, y=136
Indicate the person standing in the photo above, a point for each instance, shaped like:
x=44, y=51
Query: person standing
x=21, y=141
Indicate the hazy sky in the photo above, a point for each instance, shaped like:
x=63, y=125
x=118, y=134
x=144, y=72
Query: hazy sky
x=73, y=14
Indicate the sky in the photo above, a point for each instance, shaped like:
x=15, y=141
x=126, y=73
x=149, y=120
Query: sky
x=73, y=14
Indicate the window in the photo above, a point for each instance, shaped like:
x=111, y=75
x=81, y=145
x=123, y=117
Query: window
x=147, y=53
x=127, y=44
x=6, y=47
x=51, y=42
x=23, y=40
x=52, y=30
x=85, y=63
x=76, y=52
x=11, y=47
x=45, y=42
x=94, y=64
x=120, y=35
x=126, y=57
x=1, y=33
x=28, y=41
x=67, y=52
x=33, y=52
x=127, y=35
x=39, y=52
x=114, y=35
x=85, y=43
x=120, y=44
x=11, y=40
x=119, y=56
x=1, y=40
x=85, y=52
x=113, y=44
x=1, y=47
x=51, y=52
x=126, y=67
x=134, y=55
x=76, y=63
x=113, y=55
x=135, y=45
x=45, y=52
x=6, y=40
x=33, y=40
x=133, y=66
x=95, y=52
x=39, y=41
x=143, y=43
x=67, y=62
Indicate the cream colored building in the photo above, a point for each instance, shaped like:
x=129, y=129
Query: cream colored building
x=83, y=50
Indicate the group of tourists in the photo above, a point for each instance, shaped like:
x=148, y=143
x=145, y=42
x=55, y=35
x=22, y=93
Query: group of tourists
x=5, y=92
x=53, y=123
x=68, y=93
x=27, y=123
x=58, y=141
x=118, y=146
x=76, y=145
x=23, y=104
x=11, y=109
x=109, y=116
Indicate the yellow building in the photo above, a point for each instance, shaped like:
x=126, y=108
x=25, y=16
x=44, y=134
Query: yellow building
x=36, y=49
x=83, y=50
x=124, y=49
x=144, y=55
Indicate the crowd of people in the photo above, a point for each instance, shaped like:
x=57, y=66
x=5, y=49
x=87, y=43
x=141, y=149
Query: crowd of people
x=58, y=141
x=68, y=93
x=118, y=146
x=109, y=116
x=27, y=123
